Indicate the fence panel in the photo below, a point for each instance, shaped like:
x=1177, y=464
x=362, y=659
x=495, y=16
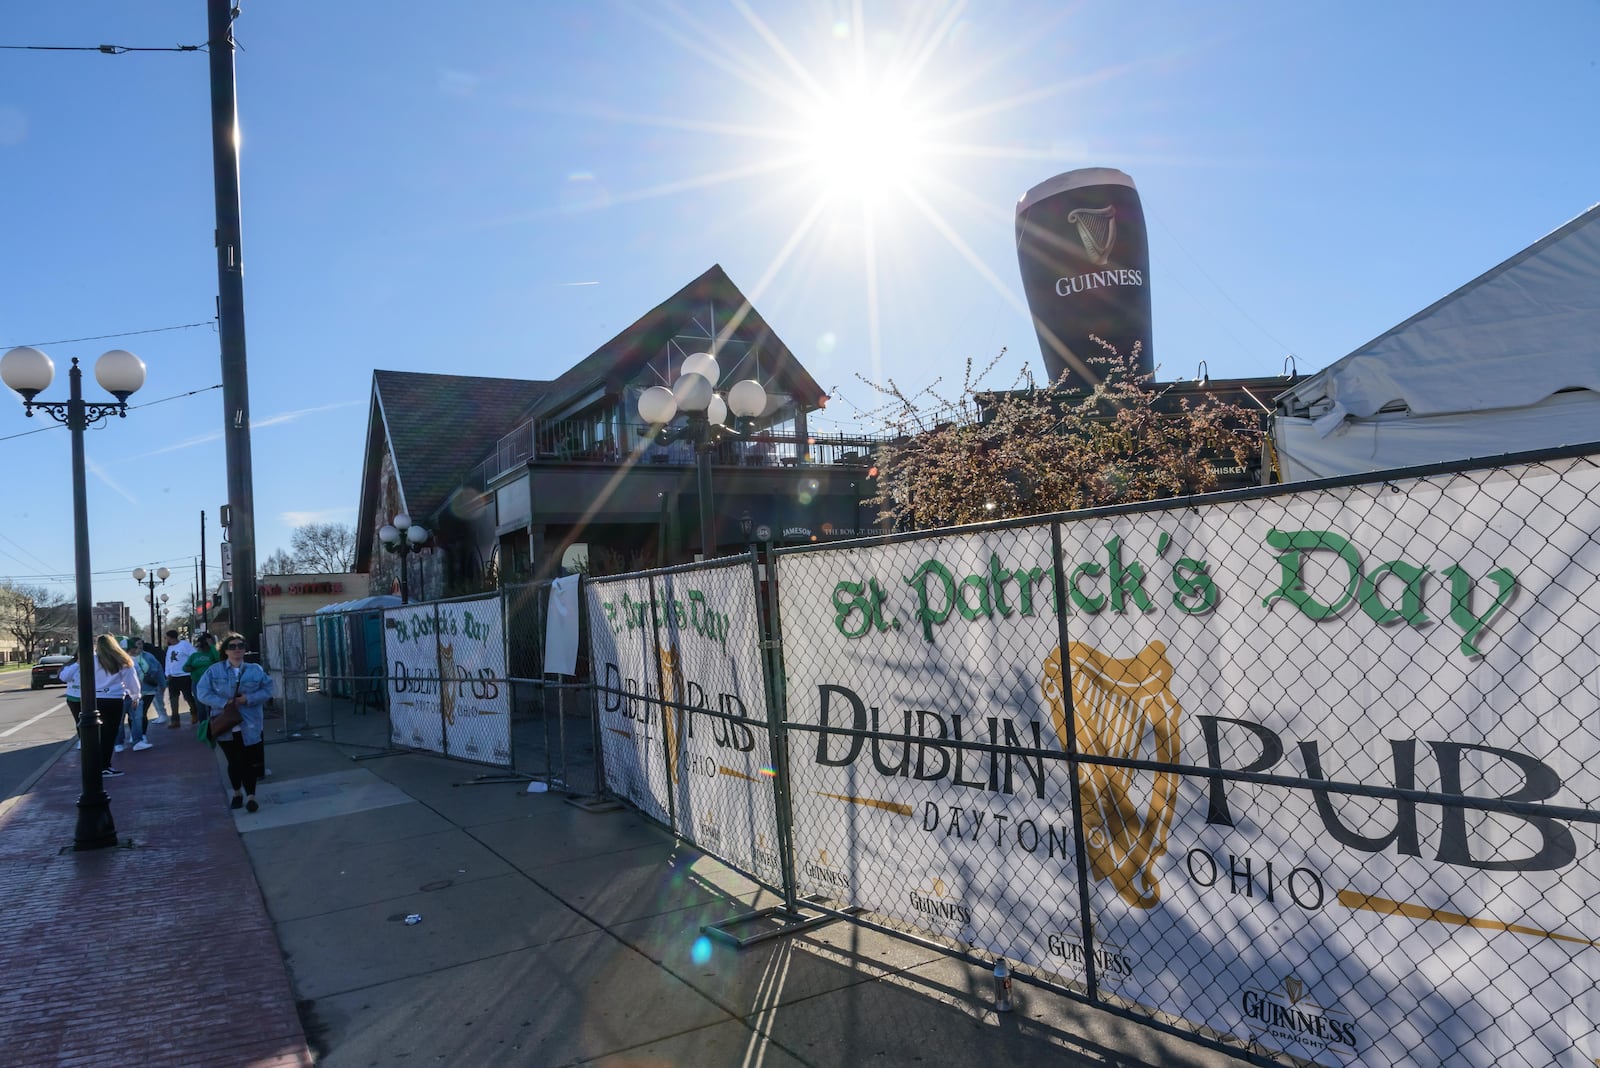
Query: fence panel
x=1335, y=755
x=447, y=683
x=628, y=705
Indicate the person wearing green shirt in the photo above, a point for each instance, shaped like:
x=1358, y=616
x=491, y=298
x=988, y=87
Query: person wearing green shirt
x=205, y=654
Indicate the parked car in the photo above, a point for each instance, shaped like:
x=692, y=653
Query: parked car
x=47, y=672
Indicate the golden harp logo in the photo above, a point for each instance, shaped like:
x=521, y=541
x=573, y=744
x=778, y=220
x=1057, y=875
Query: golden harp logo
x=672, y=689
x=447, y=673
x=1097, y=229
x=1123, y=708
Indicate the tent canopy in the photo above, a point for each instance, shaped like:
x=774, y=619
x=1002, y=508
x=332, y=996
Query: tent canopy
x=1489, y=369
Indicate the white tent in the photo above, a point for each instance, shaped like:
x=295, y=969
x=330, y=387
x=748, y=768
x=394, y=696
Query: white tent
x=1507, y=363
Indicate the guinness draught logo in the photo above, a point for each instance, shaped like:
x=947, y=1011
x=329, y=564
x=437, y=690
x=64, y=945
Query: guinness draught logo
x=1123, y=708
x=1097, y=229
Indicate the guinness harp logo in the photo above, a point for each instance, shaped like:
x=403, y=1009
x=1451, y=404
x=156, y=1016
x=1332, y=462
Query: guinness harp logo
x=1294, y=989
x=1123, y=708
x=1097, y=229
x=672, y=689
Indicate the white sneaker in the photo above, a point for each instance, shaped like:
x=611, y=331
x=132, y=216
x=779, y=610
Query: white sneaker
x=78, y=744
x=117, y=748
x=141, y=745
x=159, y=720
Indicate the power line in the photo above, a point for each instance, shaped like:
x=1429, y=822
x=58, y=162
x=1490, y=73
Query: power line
x=110, y=50
x=131, y=408
x=102, y=337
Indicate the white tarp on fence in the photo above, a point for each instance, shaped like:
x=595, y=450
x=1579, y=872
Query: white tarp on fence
x=1437, y=637
x=447, y=679
x=705, y=634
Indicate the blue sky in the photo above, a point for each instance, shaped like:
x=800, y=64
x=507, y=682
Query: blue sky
x=498, y=187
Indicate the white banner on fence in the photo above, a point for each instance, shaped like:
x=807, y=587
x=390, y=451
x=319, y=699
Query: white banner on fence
x=1438, y=636
x=720, y=766
x=447, y=679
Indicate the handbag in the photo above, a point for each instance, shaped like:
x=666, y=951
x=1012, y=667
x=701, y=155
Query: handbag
x=228, y=718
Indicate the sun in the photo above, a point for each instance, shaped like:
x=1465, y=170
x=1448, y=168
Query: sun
x=863, y=141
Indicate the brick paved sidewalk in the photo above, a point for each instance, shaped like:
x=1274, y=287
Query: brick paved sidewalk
x=158, y=952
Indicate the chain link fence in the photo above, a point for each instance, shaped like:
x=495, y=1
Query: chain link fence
x=1307, y=775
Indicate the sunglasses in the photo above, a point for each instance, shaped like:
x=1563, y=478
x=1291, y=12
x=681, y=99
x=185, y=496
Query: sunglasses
x=232, y=646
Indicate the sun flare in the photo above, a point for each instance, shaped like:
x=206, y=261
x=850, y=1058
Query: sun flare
x=863, y=141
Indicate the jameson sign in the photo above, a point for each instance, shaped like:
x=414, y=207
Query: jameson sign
x=447, y=679
x=689, y=638
x=1436, y=638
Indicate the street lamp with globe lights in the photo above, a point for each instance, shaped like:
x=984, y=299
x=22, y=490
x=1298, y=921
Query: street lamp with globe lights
x=120, y=373
x=694, y=393
x=404, y=537
x=151, y=579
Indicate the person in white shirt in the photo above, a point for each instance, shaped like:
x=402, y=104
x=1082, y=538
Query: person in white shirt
x=115, y=684
x=69, y=675
x=179, y=650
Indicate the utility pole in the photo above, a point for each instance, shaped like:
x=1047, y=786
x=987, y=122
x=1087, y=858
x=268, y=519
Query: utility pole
x=245, y=611
x=205, y=593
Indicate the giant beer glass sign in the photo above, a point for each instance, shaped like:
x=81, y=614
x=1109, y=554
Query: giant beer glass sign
x=1085, y=264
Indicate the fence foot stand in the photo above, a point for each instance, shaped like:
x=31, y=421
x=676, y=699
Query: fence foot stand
x=382, y=751
x=778, y=921
x=596, y=804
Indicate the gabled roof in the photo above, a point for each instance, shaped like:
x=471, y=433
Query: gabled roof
x=619, y=360
x=437, y=428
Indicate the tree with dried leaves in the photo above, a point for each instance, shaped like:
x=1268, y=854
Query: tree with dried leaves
x=324, y=548
x=278, y=563
x=37, y=617
x=1030, y=450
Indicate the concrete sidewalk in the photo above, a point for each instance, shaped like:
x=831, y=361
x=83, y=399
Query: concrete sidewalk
x=547, y=935
x=552, y=936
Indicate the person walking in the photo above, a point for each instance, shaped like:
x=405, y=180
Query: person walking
x=178, y=651
x=151, y=682
x=69, y=675
x=116, y=685
x=248, y=687
x=205, y=654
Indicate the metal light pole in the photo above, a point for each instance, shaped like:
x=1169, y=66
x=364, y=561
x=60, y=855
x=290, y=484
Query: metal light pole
x=403, y=537
x=694, y=394
x=120, y=373
x=151, y=579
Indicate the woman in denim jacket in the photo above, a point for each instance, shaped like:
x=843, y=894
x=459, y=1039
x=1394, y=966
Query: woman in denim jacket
x=224, y=681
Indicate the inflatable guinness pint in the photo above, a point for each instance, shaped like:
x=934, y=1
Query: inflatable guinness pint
x=1086, y=270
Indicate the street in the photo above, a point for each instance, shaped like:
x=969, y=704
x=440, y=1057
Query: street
x=33, y=726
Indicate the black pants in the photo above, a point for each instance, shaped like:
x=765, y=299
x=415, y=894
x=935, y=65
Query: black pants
x=246, y=763
x=182, y=684
x=111, y=712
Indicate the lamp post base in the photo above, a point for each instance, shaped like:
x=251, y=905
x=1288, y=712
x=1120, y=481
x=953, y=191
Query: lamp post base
x=96, y=829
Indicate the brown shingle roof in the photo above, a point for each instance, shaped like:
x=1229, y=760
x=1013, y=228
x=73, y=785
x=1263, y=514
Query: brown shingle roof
x=619, y=359
x=440, y=426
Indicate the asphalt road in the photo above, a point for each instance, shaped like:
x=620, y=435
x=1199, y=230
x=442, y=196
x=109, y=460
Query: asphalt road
x=33, y=726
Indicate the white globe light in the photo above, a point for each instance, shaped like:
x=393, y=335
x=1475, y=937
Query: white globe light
x=139, y=574
x=657, y=405
x=163, y=598
x=747, y=398
x=402, y=521
x=417, y=535
x=388, y=534
x=27, y=370
x=120, y=373
x=717, y=410
x=702, y=363
x=162, y=573
x=692, y=392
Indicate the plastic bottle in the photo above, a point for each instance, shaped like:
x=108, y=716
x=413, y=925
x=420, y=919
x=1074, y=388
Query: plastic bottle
x=1002, y=986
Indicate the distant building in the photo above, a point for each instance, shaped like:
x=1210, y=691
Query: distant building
x=112, y=617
